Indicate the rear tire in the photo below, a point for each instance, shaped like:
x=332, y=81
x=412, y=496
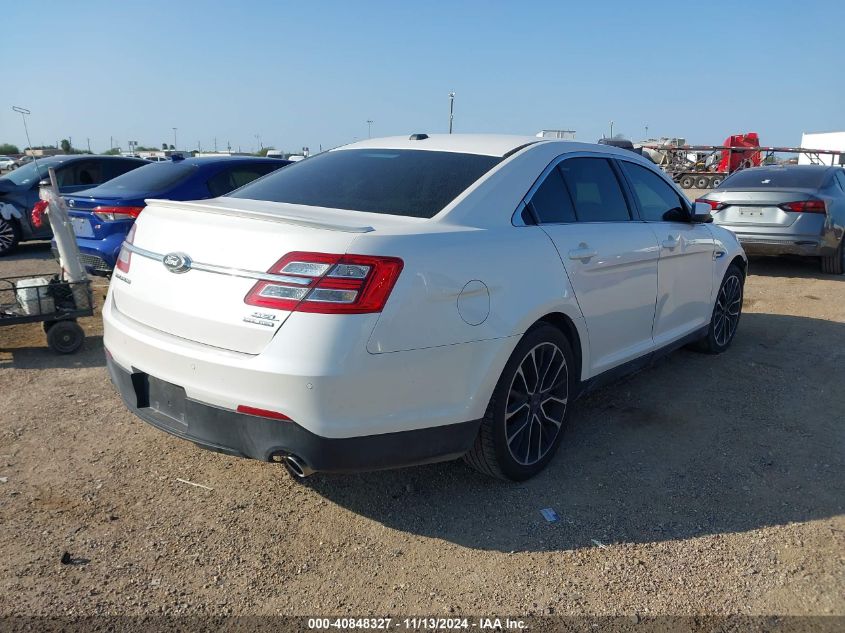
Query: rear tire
x=835, y=264
x=687, y=182
x=715, y=181
x=65, y=337
x=702, y=182
x=529, y=409
x=10, y=235
x=726, y=313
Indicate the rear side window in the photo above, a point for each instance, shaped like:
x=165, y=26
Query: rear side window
x=595, y=190
x=235, y=177
x=80, y=173
x=413, y=183
x=116, y=167
x=768, y=178
x=658, y=202
x=551, y=201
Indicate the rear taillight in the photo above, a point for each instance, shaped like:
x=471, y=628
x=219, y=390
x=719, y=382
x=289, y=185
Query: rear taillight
x=714, y=204
x=110, y=214
x=329, y=284
x=125, y=256
x=37, y=214
x=805, y=206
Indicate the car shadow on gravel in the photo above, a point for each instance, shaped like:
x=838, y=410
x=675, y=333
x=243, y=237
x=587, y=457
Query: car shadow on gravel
x=91, y=355
x=696, y=445
x=791, y=266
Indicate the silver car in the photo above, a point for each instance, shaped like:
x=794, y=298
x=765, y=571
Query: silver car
x=785, y=209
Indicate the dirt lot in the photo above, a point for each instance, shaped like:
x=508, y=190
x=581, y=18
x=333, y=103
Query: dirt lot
x=705, y=485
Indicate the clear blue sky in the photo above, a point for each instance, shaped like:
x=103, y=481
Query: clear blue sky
x=312, y=73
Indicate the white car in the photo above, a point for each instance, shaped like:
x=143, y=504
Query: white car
x=7, y=162
x=407, y=300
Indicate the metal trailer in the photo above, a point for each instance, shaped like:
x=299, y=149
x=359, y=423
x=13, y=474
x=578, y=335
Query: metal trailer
x=696, y=166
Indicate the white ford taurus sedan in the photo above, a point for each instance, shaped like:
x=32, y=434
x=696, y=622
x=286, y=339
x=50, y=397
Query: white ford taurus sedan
x=407, y=300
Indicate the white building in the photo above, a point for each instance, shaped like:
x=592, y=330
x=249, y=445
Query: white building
x=823, y=140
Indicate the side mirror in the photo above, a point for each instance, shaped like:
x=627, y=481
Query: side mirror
x=701, y=212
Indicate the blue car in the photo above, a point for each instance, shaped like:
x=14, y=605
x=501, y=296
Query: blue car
x=19, y=190
x=102, y=216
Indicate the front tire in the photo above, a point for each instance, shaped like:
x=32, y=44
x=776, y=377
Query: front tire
x=726, y=313
x=10, y=235
x=529, y=409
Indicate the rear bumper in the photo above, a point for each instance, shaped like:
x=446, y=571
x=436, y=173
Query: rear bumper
x=779, y=245
x=242, y=435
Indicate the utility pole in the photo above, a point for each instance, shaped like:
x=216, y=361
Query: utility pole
x=175, y=144
x=451, y=110
x=646, y=131
x=258, y=140
x=369, y=128
x=111, y=142
x=215, y=144
x=611, y=129
x=88, y=140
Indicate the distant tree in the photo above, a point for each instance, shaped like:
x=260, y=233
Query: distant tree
x=263, y=151
x=172, y=148
x=164, y=146
x=114, y=151
x=66, y=146
x=8, y=148
x=144, y=148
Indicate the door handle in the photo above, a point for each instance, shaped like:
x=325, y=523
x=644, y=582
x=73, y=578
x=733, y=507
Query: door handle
x=671, y=242
x=583, y=253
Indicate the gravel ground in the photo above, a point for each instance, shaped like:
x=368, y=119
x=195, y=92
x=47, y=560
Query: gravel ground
x=704, y=485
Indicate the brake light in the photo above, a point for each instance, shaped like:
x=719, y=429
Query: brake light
x=37, y=214
x=805, y=206
x=328, y=284
x=714, y=204
x=125, y=256
x=110, y=214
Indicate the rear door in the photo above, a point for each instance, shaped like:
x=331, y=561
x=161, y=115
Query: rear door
x=610, y=259
x=685, y=271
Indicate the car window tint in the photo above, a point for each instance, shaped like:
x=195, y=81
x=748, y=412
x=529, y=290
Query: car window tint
x=551, y=201
x=413, y=183
x=595, y=190
x=658, y=201
x=230, y=179
x=118, y=167
x=81, y=173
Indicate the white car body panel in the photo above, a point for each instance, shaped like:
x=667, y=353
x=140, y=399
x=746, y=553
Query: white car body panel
x=473, y=283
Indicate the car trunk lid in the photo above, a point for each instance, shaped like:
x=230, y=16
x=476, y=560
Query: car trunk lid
x=757, y=207
x=228, y=248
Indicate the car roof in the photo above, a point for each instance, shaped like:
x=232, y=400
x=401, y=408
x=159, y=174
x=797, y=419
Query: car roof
x=485, y=144
x=800, y=168
x=205, y=160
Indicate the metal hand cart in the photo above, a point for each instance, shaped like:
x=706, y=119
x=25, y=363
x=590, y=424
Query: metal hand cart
x=51, y=300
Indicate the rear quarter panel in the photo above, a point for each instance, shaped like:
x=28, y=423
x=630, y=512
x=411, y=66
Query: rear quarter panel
x=450, y=278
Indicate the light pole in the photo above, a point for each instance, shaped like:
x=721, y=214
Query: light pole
x=369, y=128
x=258, y=140
x=611, y=129
x=451, y=110
x=175, y=144
x=646, y=131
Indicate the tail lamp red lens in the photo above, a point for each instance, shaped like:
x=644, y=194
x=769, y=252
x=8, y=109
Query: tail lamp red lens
x=110, y=214
x=805, y=206
x=124, y=258
x=715, y=205
x=327, y=283
x=37, y=214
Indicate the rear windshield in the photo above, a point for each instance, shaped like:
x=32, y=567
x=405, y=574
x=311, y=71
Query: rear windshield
x=147, y=179
x=413, y=183
x=776, y=178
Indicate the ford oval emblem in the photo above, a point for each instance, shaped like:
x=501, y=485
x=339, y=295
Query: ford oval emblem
x=177, y=262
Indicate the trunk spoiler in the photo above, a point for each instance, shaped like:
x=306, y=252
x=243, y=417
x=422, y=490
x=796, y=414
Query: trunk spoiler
x=285, y=217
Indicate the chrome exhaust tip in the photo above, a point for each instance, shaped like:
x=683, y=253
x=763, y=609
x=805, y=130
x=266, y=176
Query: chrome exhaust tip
x=296, y=466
